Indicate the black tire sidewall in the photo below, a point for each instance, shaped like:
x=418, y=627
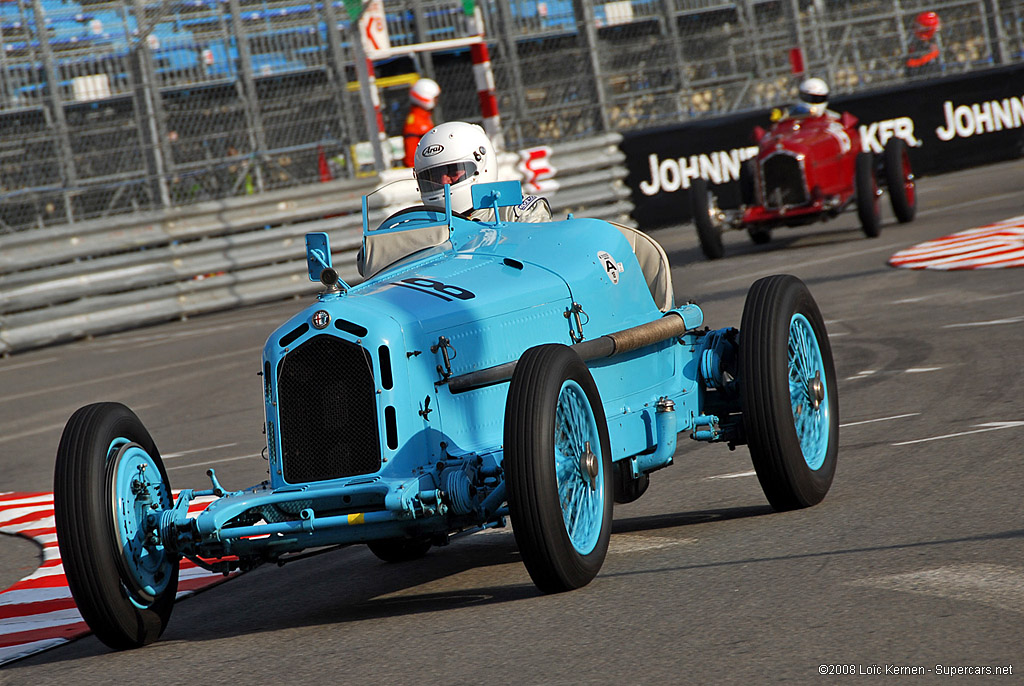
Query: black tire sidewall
x=865, y=184
x=709, y=233
x=775, y=450
x=537, y=520
x=748, y=182
x=85, y=530
x=902, y=207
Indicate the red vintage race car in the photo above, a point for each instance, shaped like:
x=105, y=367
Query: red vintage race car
x=808, y=169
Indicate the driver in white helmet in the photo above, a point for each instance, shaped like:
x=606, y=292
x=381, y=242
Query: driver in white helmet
x=813, y=99
x=461, y=155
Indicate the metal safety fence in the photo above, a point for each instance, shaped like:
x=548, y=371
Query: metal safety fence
x=104, y=275
x=112, y=107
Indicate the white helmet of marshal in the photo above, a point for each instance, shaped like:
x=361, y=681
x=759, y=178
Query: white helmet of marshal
x=814, y=94
x=458, y=154
x=424, y=93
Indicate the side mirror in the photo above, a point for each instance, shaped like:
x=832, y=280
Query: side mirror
x=759, y=133
x=318, y=254
x=848, y=120
x=497, y=194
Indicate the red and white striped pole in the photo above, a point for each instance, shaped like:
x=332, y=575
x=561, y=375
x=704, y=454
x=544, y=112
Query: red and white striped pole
x=484, y=77
x=382, y=133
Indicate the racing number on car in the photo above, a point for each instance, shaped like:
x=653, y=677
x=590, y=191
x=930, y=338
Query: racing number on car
x=437, y=289
x=611, y=267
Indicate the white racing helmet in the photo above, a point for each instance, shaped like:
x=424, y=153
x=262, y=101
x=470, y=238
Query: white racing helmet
x=458, y=154
x=424, y=93
x=814, y=94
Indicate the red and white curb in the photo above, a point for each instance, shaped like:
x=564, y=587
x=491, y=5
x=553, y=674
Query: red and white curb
x=995, y=246
x=38, y=612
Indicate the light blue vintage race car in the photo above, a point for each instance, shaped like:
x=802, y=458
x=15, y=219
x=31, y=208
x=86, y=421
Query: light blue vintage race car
x=482, y=371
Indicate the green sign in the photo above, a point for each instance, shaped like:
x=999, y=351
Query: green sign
x=354, y=9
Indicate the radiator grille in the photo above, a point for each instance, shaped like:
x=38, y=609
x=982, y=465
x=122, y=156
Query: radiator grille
x=783, y=181
x=327, y=405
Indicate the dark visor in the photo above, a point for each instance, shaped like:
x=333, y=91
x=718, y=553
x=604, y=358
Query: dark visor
x=433, y=179
x=813, y=99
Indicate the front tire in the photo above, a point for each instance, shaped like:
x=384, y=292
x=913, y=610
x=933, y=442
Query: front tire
x=869, y=205
x=709, y=231
x=748, y=182
x=558, y=468
x=900, y=181
x=108, y=478
x=789, y=394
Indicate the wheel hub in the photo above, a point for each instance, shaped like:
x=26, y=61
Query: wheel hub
x=816, y=390
x=588, y=465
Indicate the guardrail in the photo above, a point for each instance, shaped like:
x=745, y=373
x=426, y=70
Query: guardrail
x=67, y=282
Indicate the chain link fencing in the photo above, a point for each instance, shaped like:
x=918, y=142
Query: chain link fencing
x=115, y=107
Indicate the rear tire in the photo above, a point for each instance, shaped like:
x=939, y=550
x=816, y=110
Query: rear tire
x=628, y=489
x=900, y=181
x=709, y=232
x=558, y=468
x=108, y=474
x=869, y=206
x=789, y=394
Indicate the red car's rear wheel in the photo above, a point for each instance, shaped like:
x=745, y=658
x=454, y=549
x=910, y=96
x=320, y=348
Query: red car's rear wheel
x=869, y=206
x=900, y=180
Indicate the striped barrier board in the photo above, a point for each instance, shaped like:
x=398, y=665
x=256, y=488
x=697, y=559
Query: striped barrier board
x=38, y=612
x=995, y=246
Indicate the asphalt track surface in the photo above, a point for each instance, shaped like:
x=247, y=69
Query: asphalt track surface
x=915, y=558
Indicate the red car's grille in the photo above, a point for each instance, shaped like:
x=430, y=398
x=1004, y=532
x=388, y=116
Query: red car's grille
x=784, y=183
x=327, y=406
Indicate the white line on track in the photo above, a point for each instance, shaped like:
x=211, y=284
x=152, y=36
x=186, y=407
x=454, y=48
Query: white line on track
x=993, y=322
x=987, y=426
x=807, y=263
x=23, y=365
x=5, y=437
x=32, y=432
x=993, y=585
x=635, y=543
x=880, y=419
x=195, y=362
x=734, y=475
x=870, y=372
x=907, y=301
x=226, y=459
x=182, y=453
x=969, y=203
x=981, y=298
x=141, y=342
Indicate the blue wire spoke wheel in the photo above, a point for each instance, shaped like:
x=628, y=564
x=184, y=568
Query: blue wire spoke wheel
x=109, y=490
x=807, y=391
x=788, y=390
x=578, y=468
x=558, y=468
